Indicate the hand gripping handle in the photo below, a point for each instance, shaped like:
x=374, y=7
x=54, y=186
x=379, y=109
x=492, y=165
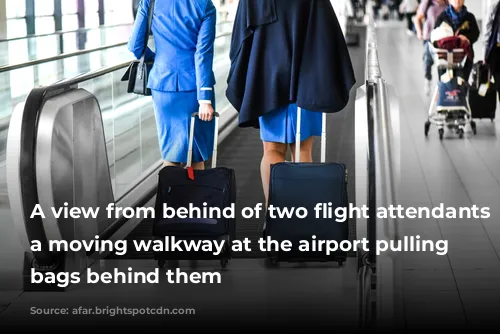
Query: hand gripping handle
x=191, y=139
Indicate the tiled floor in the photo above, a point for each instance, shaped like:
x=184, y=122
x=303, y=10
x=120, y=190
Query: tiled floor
x=462, y=288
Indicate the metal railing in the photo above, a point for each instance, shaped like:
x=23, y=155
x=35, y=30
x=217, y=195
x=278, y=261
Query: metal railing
x=11, y=67
x=64, y=32
x=377, y=142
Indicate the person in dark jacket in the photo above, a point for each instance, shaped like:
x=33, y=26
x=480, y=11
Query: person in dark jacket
x=492, y=43
x=464, y=25
x=284, y=55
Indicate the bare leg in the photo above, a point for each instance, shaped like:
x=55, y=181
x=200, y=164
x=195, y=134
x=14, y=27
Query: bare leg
x=198, y=165
x=305, y=150
x=195, y=165
x=273, y=153
x=171, y=164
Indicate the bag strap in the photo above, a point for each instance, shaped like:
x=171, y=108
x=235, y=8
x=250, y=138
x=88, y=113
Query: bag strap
x=429, y=5
x=148, y=30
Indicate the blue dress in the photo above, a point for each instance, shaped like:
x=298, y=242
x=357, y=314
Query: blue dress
x=173, y=112
x=279, y=126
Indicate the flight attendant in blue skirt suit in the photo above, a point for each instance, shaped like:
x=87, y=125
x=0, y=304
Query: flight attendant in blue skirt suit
x=182, y=79
x=284, y=55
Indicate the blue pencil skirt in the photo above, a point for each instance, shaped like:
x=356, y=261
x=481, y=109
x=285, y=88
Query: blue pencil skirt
x=173, y=112
x=280, y=125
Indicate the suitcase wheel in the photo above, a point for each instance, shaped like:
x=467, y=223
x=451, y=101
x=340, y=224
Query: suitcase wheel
x=224, y=263
x=427, y=128
x=271, y=262
x=441, y=134
x=170, y=264
x=474, y=127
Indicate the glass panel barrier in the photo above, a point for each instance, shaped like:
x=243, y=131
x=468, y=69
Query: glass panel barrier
x=39, y=47
x=128, y=120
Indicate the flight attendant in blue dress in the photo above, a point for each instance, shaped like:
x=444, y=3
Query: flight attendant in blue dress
x=284, y=55
x=182, y=79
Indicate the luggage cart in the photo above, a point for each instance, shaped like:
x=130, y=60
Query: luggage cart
x=455, y=117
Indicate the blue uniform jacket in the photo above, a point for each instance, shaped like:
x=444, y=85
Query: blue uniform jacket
x=184, y=34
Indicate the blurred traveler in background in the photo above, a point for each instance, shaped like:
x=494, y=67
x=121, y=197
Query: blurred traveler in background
x=409, y=9
x=277, y=65
x=232, y=7
x=344, y=10
x=182, y=79
x=425, y=21
x=492, y=42
x=464, y=25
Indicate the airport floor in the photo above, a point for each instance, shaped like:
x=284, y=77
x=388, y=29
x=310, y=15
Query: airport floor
x=461, y=288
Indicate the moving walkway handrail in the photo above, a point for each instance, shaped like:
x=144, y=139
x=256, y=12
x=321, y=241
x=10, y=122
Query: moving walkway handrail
x=44, y=259
x=380, y=142
x=7, y=68
x=375, y=272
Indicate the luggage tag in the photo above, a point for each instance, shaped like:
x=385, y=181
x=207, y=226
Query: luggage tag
x=483, y=89
x=190, y=172
x=445, y=78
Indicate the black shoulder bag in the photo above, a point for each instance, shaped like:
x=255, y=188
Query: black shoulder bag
x=137, y=73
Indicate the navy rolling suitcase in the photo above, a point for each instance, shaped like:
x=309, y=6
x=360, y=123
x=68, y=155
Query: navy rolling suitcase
x=294, y=185
x=483, y=104
x=180, y=187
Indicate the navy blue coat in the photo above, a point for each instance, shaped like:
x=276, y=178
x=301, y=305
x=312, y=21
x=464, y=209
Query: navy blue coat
x=287, y=51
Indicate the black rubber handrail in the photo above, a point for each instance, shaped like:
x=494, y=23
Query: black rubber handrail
x=44, y=259
x=63, y=32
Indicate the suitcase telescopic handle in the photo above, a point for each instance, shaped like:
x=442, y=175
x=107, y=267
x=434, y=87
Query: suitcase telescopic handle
x=298, y=136
x=191, y=139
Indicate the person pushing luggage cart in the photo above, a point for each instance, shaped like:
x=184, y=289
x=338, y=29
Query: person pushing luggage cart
x=287, y=95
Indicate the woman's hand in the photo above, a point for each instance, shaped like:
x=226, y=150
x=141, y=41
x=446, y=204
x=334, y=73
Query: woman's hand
x=206, y=112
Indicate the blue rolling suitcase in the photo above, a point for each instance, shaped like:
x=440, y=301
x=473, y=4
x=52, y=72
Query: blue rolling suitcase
x=296, y=184
x=180, y=187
